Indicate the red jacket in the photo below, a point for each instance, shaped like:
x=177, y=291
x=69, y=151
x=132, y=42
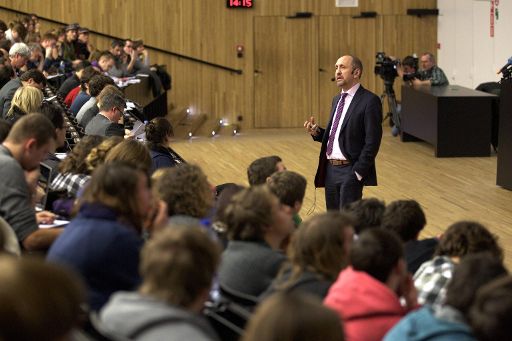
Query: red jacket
x=71, y=96
x=367, y=306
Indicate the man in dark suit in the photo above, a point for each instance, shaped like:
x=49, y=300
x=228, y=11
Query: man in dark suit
x=351, y=140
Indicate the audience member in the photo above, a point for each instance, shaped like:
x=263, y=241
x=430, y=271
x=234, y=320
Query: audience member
x=5, y=127
x=430, y=73
x=296, y=317
x=366, y=212
x=225, y=193
x=98, y=154
x=449, y=321
x=257, y=225
x=73, y=172
x=39, y=301
x=96, y=84
x=83, y=96
x=177, y=266
x=132, y=152
x=33, y=78
x=406, y=218
x=30, y=140
x=83, y=47
x=56, y=115
x=105, y=62
x=260, y=169
x=289, y=187
x=72, y=81
x=68, y=46
x=26, y=100
x=19, y=53
x=109, y=121
x=491, y=313
x=460, y=239
x=367, y=294
x=318, y=251
x=158, y=133
x=102, y=243
x=186, y=191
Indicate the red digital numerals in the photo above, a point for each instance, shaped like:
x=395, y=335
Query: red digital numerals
x=240, y=3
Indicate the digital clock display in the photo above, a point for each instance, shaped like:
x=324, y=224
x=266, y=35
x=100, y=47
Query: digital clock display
x=239, y=3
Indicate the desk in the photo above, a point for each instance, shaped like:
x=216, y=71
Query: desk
x=456, y=120
x=504, y=171
x=142, y=94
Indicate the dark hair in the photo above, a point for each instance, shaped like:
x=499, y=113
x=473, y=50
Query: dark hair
x=75, y=163
x=288, y=186
x=376, y=252
x=35, y=126
x=105, y=54
x=366, y=212
x=465, y=237
x=34, y=74
x=116, y=42
x=404, y=217
x=357, y=64
x=410, y=61
x=249, y=213
x=5, y=127
x=259, y=170
x=54, y=113
x=115, y=185
x=6, y=72
x=97, y=83
x=3, y=26
x=157, y=130
x=473, y=272
x=491, y=313
x=82, y=65
x=21, y=29
x=87, y=73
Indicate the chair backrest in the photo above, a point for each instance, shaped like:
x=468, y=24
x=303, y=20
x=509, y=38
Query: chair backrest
x=11, y=244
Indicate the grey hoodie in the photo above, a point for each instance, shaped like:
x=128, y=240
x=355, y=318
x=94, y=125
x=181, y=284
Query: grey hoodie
x=129, y=312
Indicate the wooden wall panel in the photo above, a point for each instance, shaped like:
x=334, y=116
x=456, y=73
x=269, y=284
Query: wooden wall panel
x=208, y=30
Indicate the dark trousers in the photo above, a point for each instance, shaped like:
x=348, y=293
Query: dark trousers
x=341, y=186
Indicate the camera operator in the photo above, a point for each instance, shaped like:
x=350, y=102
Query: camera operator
x=408, y=69
x=430, y=73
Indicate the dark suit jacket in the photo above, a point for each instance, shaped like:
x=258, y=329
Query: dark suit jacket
x=360, y=136
x=7, y=93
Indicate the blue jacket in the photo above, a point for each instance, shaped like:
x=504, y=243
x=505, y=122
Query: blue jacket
x=102, y=250
x=443, y=324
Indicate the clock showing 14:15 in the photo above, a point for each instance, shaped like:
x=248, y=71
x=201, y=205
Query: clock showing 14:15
x=239, y=3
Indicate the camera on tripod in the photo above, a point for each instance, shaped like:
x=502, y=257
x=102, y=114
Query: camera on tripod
x=385, y=67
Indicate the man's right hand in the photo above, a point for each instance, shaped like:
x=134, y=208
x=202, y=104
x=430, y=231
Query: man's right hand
x=311, y=126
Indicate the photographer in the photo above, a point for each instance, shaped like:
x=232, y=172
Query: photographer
x=430, y=73
x=408, y=69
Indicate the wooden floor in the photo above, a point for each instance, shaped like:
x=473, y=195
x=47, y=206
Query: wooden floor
x=448, y=189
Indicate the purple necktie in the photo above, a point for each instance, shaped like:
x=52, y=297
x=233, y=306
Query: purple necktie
x=334, y=126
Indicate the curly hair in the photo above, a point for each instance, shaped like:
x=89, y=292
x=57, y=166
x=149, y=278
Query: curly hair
x=185, y=189
x=75, y=162
x=467, y=237
x=98, y=154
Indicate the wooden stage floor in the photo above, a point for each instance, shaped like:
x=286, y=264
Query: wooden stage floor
x=448, y=189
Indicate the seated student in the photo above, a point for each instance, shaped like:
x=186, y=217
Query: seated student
x=158, y=133
x=186, y=190
x=449, y=321
x=94, y=87
x=460, y=239
x=177, y=267
x=26, y=100
x=102, y=243
x=39, y=301
x=367, y=294
x=73, y=173
x=406, y=218
x=83, y=95
x=72, y=81
x=56, y=115
x=491, y=313
x=292, y=316
x=34, y=78
x=109, y=121
x=318, y=251
x=290, y=188
x=29, y=141
x=98, y=154
x=366, y=212
x=260, y=169
x=257, y=225
x=133, y=152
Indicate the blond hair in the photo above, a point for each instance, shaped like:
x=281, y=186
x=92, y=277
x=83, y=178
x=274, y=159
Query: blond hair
x=27, y=99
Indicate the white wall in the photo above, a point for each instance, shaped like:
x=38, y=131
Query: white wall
x=468, y=54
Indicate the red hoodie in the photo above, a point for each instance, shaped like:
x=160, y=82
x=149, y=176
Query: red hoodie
x=367, y=306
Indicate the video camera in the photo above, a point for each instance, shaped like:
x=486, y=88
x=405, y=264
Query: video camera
x=385, y=67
